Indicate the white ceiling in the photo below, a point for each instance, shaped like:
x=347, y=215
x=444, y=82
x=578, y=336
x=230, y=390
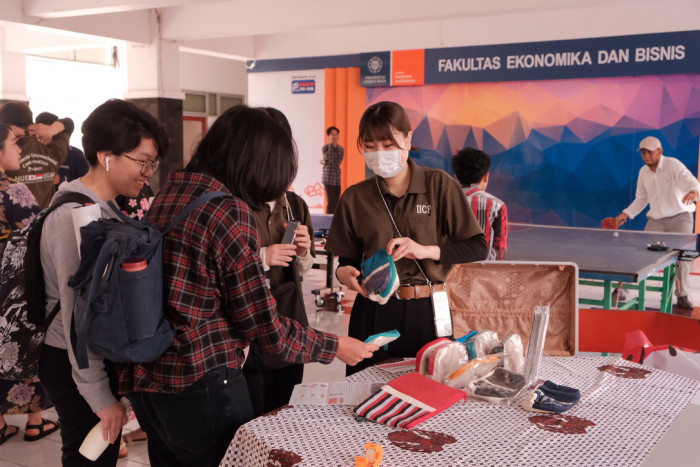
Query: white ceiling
x=260, y=29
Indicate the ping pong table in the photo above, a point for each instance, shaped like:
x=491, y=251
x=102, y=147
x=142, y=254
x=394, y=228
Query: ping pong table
x=604, y=258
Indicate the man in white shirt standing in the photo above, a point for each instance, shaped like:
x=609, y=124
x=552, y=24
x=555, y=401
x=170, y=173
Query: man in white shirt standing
x=670, y=190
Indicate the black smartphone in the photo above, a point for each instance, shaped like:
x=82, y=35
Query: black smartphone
x=289, y=234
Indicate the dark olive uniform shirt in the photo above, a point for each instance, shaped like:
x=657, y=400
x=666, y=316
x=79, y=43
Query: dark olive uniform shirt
x=433, y=211
x=271, y=228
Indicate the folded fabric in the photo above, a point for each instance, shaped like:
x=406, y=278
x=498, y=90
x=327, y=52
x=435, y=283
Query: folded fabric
x=380, y=277
x=426, y=351
x=446, y=359
x=551, y=398
x=383, y=338
x=408, y=400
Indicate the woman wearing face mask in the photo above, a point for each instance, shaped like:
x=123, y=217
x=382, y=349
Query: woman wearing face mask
x=419, y=215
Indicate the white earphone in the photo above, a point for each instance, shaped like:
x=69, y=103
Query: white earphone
x=107, y=163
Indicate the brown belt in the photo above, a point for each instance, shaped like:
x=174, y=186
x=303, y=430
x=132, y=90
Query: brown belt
x=408, y=292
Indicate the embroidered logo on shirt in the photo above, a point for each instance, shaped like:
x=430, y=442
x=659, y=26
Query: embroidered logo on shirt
x=423, y=208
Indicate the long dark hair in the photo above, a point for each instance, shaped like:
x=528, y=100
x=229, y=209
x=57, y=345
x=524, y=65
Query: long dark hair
x=4, y=131
x=379, y=120
x=250, y=152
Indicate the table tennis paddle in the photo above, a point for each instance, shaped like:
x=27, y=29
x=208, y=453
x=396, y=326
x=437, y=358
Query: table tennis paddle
x=609, y=223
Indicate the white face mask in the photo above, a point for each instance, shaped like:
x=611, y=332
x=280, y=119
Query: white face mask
x=386, y=164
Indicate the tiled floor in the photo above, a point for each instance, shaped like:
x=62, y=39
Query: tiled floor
x=46, y=452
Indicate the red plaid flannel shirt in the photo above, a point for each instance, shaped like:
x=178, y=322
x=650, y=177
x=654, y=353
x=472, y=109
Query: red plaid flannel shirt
x=215, y=293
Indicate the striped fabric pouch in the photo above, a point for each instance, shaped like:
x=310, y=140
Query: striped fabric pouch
x=408, y=400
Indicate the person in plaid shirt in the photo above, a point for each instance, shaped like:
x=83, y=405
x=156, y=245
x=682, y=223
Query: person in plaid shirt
x=471, y=167
x=193, y=398
x=332, y=157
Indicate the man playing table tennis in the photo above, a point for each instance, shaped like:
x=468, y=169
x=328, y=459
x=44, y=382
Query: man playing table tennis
x=670, y=190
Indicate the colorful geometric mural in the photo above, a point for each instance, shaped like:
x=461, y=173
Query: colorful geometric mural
x=563, y=151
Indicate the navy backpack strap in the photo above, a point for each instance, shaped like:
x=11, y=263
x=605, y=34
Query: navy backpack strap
x=35, y=237
x=189, y=209
x=70, y=197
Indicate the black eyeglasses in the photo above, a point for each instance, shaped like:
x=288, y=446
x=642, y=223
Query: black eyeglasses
x=147, y=165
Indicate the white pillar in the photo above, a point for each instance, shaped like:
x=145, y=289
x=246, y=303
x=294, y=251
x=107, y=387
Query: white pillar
x=13, y=74
x=153, y=70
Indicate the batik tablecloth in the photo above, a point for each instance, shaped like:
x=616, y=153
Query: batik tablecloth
x=624, y=410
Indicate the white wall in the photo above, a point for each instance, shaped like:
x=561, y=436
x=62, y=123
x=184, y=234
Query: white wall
x=305, y=113
x=70, y=89
x=553, y=21
x=212, y=74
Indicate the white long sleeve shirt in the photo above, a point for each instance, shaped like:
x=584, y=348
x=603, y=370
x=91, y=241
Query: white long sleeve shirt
x=663, y=190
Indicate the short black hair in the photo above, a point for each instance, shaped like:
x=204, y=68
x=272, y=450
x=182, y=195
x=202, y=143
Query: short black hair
x=118, y=126
x=470, y=165
x=16, y=113
x=47, y=118
x=251, y=151
x=331, y=128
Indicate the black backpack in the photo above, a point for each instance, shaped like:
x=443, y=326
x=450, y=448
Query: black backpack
x=23, y=320
x=118, y=312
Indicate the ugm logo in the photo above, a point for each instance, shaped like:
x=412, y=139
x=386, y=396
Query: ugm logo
x=375, y=65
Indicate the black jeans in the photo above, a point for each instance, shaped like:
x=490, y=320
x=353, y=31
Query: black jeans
x=332, y=196
x=194, y=427
x=74, y=414
x=271, y=389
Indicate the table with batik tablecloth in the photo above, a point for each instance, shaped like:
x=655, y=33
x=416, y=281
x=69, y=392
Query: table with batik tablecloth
x=624, y=410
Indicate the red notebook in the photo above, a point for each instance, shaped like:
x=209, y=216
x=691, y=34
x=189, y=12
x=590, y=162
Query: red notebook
x=408, y=400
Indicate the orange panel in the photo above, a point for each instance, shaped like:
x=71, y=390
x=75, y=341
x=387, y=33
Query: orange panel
x=330, y=99
x=345, y=103
x=408, y=67
x=354, y=163
x=604, y=330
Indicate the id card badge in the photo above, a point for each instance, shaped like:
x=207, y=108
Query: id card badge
x=442, y=316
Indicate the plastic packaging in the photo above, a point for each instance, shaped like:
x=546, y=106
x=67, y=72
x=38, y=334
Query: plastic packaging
x=473, y=370
x=498, y=387
x=538, y=334
x=481, y=344
x=446, y=360
x=513, y=359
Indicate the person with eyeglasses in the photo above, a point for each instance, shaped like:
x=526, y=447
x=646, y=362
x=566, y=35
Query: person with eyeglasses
x=122, y=144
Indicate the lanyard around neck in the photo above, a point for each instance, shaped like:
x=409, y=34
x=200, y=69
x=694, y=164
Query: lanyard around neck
x=396, y=227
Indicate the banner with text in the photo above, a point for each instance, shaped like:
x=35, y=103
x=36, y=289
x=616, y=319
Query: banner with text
x=647, y=54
